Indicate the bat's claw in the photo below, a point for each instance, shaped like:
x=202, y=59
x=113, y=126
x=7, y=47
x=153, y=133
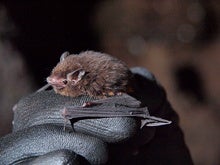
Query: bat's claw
x=65, y=113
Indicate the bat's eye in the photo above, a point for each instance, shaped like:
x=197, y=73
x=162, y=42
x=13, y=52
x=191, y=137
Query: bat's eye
x=65, y=82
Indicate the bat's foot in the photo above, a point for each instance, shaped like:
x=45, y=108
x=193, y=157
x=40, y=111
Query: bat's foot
x=119, y=94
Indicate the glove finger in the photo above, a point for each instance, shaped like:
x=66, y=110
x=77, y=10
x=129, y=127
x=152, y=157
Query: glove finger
x=148, y=90
x=45, y=107
x=111, y=130
x=59, y=157
x=41, y=139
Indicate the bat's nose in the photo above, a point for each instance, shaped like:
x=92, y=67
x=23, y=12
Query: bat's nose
x=56, y=82
x=51, y=80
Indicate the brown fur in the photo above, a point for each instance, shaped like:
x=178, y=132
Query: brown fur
x=105, y=75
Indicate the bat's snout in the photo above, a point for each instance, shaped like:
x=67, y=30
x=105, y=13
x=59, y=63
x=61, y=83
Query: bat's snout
x=56, y=82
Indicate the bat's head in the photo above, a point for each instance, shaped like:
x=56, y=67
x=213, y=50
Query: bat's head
x=66, y=76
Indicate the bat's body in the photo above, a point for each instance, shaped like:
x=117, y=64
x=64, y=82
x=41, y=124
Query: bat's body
x=90, y=73
x=98, y=75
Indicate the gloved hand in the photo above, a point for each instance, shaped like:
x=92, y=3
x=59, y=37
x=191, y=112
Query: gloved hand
x=38, y=129
x=39, y=137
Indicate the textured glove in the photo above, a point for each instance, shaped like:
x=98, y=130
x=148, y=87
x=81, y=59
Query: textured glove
x=39, y=129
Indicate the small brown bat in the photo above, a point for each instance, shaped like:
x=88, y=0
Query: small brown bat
x=90, y=73
x=98, y=75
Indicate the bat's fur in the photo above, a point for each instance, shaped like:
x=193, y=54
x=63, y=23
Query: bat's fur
x=104, y=75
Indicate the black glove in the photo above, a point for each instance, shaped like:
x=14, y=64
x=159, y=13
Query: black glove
x=38, y=129
x=38, y=134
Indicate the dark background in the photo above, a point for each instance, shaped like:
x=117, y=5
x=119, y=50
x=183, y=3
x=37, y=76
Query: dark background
x=45, y=29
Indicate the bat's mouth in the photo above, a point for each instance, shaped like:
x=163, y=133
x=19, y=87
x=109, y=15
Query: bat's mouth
x=56, y=83
x=58, y=87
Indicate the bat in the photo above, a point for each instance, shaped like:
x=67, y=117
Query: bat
x=90, y=73
x=101, y=76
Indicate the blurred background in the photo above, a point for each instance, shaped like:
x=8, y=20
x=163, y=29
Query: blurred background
x=177, y=40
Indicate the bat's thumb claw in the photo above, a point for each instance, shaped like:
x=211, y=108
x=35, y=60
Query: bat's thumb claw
x=65, y=113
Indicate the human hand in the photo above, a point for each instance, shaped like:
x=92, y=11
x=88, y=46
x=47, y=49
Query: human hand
x=38, y=132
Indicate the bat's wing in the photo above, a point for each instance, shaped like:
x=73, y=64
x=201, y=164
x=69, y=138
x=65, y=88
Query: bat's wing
x=121, y=100
x=116, y=106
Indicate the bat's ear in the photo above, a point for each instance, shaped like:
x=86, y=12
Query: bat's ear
x=76, y=75
x=64, y=55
